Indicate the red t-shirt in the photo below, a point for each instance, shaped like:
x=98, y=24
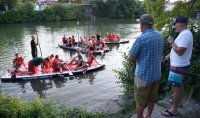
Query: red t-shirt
x=102, y=44
x=46, y=63
x=18, y=61
x=64, y=40
x=73, y=40
x=94, y=45
x=90, y=59
x=55, y=63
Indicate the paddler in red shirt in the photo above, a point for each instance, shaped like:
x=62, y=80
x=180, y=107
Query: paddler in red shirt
x=17, y=62
x=73, y=40
x=64, y=39
x=58, y=64
x=99, y=43
x=87, y=63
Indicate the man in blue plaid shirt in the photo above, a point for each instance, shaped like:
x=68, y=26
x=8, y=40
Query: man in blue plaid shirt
x=147, y=52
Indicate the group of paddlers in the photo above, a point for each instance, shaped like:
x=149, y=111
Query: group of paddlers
x=51, y=61
x=57, y=64
x=95, y=42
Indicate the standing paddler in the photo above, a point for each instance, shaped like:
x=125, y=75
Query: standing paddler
x=34, y=46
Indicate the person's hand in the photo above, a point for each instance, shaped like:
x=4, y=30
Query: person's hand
x=170, y=39
x=165, y=58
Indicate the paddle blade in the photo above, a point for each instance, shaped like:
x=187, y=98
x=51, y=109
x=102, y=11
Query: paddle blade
x=70, y=73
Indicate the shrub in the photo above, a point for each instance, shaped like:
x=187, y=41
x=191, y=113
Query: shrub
x=25, y=12
x=117, y=8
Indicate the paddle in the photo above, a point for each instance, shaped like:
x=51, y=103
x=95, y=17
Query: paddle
x=39, y=45
x=70, y=70
x=78, y=32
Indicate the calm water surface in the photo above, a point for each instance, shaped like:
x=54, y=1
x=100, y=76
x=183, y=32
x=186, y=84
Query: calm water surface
x=90, y=91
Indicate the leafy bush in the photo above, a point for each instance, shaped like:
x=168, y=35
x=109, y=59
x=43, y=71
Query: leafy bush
x=193, y=79
x=25, y=12
x=117, y=8
x=11, y=107
x=126, y=75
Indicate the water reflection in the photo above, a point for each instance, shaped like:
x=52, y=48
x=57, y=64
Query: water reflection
x=113, y=47
x=40, y=86
x=22, y=84
x=59, y=82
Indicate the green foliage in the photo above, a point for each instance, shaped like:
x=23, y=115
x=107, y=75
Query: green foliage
x=11, y=107
x=117, y=8
x=193, y=79
x=10, y=3
x=126, y=75
x=162, y=18
x=24, y=12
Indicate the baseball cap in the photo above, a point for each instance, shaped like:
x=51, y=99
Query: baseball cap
x=180, y=19
x=146, y=18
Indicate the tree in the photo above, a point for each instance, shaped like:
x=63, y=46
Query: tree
x=9, y=3
x=156, y=8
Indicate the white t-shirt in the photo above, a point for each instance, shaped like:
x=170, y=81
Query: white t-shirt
x=184, y=39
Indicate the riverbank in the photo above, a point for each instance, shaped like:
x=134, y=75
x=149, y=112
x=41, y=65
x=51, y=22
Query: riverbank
x=15, y=107
x=24, y=12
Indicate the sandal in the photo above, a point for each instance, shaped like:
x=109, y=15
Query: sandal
x=168, y=113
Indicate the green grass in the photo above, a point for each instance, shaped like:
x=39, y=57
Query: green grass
x=14, y=107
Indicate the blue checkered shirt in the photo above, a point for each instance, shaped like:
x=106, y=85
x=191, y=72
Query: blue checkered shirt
x=147, y=49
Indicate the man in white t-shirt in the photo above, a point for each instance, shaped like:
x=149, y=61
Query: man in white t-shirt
x=180, y=56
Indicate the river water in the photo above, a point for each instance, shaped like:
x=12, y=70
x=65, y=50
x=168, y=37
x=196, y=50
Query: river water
x=90, y=91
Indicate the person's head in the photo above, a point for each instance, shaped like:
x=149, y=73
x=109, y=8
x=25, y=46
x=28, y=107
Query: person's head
x=16, y=55
x=72, y=36
x=69, y=37
x=56, y=56
x=146, y=22
x=90, y=53
x=98, y=36
x=51, y=56
x=47, y=59
x=33, y=38
x=180, y=23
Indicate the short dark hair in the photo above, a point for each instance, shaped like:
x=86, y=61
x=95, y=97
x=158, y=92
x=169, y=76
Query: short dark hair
x=146, y=19
x=56, y=56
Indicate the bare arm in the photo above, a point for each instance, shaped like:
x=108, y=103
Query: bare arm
x=165, y=58
x=24, y=65
x=179, y=50
x=131, y=58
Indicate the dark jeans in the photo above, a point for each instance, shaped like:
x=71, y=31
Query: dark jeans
x=34, y=53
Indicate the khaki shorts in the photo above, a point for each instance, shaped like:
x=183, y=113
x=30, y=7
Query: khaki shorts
x=145, y=94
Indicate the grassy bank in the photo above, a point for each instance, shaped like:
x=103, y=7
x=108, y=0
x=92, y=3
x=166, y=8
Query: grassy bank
x=12, y=107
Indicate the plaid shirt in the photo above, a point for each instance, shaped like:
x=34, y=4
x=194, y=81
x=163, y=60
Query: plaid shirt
x=148, y=52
